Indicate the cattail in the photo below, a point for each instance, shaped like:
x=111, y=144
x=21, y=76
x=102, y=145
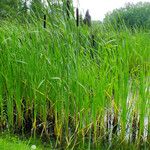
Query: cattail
x=44, y=25
x=77, y=16
x=68, y=9
x=93, y=40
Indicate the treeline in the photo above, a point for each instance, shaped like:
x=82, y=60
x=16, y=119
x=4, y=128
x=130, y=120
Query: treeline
x=11, y=8
x=19, y=8
x=132, y=16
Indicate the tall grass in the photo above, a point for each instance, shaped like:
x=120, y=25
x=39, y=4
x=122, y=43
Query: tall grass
x=51, y=87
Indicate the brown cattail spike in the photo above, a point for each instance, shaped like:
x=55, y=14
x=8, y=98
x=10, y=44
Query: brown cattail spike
x=93, y=40
x=68, y=9
x=77, y=17
x=44, y=25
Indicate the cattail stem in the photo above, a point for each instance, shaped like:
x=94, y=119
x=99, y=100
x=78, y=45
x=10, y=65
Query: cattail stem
x=44, y=25
x=77, y=16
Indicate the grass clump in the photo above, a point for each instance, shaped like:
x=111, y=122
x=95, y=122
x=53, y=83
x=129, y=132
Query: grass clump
x=12, y=142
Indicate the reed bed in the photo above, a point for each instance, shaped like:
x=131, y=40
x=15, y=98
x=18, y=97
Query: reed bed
x=56, y=85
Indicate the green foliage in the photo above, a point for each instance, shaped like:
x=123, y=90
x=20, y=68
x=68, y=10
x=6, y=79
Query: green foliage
x=12, y=142
x=51, y=87
x=9, y=8
x=132, y=15
x=25, y=6
x=37, y=7
x=26, y=9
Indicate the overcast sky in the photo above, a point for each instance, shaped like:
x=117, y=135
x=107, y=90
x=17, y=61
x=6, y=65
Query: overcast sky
x=98, y=8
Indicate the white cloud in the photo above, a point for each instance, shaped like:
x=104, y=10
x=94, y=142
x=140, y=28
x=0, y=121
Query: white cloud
x=98, y=8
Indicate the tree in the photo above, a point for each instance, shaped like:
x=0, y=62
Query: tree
x=132, y=15
x=9, y=8
x=87, y=19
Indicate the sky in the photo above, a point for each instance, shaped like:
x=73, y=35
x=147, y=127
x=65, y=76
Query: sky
x=98, y=8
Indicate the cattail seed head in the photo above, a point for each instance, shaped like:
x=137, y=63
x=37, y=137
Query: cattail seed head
x=68, y=9
x=77, y=16
x=44, y=25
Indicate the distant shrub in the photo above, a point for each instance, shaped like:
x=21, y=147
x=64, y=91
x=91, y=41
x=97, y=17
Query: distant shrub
x=132, y=15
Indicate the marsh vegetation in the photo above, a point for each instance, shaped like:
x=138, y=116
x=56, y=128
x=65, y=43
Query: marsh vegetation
x=75, y=87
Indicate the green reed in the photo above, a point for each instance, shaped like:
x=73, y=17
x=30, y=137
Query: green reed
x=51, y=86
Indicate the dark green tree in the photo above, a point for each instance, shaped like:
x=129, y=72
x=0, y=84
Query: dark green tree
x=9, y=8
x=132, y=15
x=87, y=18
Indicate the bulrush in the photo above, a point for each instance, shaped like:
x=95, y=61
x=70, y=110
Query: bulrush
x=68, y=9
x=77, y=16
x=44, y=25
